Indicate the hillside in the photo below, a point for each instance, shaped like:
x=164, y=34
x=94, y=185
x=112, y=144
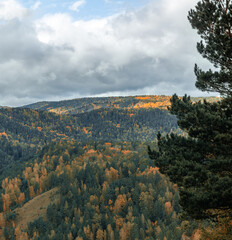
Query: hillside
x=24, y=131
x=35, y=208
x=82, y=105
x=87, y=175
x=110, y=190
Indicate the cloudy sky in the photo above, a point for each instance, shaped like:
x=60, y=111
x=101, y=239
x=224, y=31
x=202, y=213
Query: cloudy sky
x=54, y=50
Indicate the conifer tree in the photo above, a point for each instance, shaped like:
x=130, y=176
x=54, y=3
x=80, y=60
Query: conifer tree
x=201, y=164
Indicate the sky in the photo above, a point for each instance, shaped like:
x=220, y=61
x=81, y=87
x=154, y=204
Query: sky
x=56, y=50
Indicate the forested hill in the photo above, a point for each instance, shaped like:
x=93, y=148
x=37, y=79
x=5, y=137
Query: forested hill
x=87, y=175
x=82, y=105
x=90, y=191
x=24, y=130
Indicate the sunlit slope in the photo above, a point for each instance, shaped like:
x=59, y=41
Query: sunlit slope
x=82, y=105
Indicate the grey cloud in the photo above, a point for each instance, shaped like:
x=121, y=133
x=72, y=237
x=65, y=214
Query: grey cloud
x=143, y=52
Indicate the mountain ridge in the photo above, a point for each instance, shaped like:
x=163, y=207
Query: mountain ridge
x=80, y=105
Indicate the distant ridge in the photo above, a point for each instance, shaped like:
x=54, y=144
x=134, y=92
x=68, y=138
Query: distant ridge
x=82, y=105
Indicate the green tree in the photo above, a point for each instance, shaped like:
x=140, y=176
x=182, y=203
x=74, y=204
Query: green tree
x=213, y=20
x=201, y=164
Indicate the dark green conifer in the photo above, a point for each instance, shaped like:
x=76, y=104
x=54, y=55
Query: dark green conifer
x=201, y=164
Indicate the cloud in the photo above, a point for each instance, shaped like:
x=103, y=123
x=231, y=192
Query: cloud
x=75, y=6
x=10, y=9
x=148, y=51
x=36, y=5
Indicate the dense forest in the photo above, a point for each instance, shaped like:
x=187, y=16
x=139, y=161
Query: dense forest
x=87, y=175
x=97, y=191
x=23, y=131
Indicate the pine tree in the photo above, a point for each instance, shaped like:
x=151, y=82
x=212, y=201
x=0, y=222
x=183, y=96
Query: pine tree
x=201, y=164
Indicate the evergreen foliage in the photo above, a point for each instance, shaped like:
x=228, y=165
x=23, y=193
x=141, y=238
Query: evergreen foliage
x=213, y=19
x=201, y=164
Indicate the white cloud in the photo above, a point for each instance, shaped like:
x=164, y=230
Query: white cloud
x=75, y=6
x=36, y=5
x=11, y=9
x=149, y=51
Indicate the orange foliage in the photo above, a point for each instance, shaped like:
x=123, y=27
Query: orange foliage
x=152, y=170
x=91, y=152
x=154, y=102
x=108, y=144
x=119, y=222
x=85, y=130
x=39, y=128
x=27, y=172
x=120, y=203
x=6, y=202
x=143, y=98
x=4, y=134
x=154, y=223
x=95, y=106
x=152, y=105
x=126, y=151
x=21, y=198
x=4, y=182
x=168, y=207
x=105, y=185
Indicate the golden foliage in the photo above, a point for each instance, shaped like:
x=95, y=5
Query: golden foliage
x=119, y=222
x=21, y=198
x=125, y=152
x=111, y=174
x=151, y=170
x=100, y=234
x=120, y=203
x=168, y=207
x=88, y=233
